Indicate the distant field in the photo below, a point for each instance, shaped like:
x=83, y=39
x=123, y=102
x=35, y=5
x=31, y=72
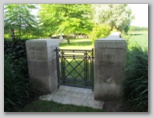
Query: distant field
x=140, y=38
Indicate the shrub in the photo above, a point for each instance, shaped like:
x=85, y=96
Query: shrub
x=17, y=89
x=136, y=83
x=15, y=86
x=16, y=50
x=100, y=31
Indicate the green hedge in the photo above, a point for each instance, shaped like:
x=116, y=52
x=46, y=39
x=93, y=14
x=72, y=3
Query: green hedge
x=16, y=51
x=136, y=82
x=17, y=89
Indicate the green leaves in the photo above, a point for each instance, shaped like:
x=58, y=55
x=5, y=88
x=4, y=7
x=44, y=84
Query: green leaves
x=136, y=83
x=116, y=15
x=18, y=19
x=17, y=89
x=66, y=18
x=100, y=31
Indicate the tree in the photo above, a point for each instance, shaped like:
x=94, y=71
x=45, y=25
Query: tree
x=116, y=15
x=66, y=18
x=18, y=20
x=100, y=31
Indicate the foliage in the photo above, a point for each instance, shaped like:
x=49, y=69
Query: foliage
x=100, y=31
x=65, y=18
x=16, y=51
x=17, y=89
x=136, y=83
x=116, y=15
x=18, y=21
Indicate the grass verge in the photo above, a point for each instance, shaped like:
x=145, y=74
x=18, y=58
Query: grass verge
x=50, y=106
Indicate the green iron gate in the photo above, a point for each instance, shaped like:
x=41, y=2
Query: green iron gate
x=75, y=67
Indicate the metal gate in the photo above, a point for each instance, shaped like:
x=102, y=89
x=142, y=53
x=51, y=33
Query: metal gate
x=75, y=67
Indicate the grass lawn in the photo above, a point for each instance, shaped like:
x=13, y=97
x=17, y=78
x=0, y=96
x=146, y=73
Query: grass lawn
x=77, y=44
x=50, y=106
x=140, y=37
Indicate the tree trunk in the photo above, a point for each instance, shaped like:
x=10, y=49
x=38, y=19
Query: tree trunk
x=68, y=41
x=12, y=34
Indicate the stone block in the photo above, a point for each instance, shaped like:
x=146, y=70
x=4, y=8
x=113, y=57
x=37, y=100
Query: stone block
x=109, y=67
x=42, y=63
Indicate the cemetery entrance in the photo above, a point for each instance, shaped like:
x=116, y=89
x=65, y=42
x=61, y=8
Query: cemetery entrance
x=75, y=67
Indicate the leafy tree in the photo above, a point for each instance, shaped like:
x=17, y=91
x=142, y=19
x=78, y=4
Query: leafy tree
x=100, y=31
x=116, y=15
x=66, y=18
x=18, y=20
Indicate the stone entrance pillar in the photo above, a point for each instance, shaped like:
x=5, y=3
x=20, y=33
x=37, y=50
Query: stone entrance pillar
x=42, y=63
x=109, y=69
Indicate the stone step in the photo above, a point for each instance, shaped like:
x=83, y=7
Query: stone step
x=75, y=92
x=74, y=96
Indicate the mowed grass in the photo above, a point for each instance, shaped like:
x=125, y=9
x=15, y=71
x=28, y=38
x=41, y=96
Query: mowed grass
x=134, y=38
x=50, y=106
x=77, y=44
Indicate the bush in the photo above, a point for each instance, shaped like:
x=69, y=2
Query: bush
x=100, y=31
x=16, y=50
x=17, y=89
x=136, y=83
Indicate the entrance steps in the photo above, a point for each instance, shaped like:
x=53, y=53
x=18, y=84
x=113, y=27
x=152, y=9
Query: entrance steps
x=74, y=96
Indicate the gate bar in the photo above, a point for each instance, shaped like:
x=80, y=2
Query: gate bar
x=58, y=71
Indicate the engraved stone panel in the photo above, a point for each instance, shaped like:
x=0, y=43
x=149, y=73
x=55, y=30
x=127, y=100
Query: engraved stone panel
x=109, y=68
x=42, y=63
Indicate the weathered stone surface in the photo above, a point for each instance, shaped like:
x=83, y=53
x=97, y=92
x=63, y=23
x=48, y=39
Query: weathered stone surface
x=109, y=69
x=74, y=96
x=42, y=63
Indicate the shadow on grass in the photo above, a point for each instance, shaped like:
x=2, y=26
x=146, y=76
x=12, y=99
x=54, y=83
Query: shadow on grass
x=50, y=106
x=76, y=44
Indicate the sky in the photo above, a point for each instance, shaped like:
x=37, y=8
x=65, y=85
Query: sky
x=140, y=11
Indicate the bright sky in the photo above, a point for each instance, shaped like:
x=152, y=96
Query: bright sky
x=140, y=12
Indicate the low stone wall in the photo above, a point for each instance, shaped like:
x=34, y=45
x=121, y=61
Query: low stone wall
x=109, y=68
x=42, y=63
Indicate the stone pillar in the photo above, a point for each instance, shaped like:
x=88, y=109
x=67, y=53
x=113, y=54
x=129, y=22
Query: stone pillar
x=42, y=64
x=109, y=69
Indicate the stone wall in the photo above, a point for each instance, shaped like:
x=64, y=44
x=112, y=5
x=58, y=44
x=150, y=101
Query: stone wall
x=42, y=63
x=109, y=68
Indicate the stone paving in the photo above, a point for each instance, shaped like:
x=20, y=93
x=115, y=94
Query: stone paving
x=74, y=96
